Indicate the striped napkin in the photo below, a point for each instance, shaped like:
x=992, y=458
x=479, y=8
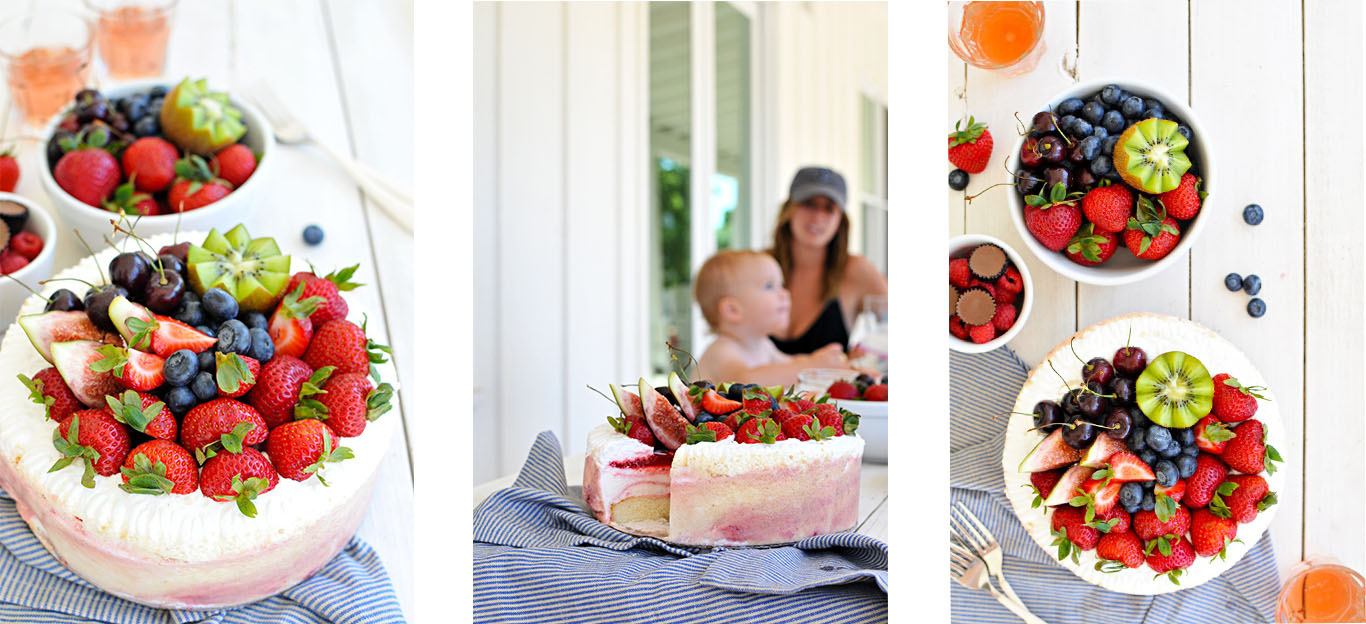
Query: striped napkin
x=540, y=556
x=353, y=588
x=985, y=384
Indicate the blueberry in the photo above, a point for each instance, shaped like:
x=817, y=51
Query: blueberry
x=1256, y=308
x=1252, y=284
x=233, y=337
x=255, y=319
x=1079, y=128
x=1101, y=165
x=189, y=313
x=204, y=386
x=180, y=367
x=958, y=180
x=1089, y=148
x=1153, y=105
x=147, y=126
x=206, y=330
x=1154, y=114
x=1166, y=473
x=1185, y=436
x=1148, y=485
x=735, y=392
x=1148, y=502
x=189, y=295
x=1184, y=131
x=1133, y=509
x=1185, y=466
x=1159, y=437
x=1112, y=94
x=1139, y=418
x=1100, y=133
x=1148, y=456
x=1069, y=106
x=1065, y=122
x=1173, y=449
x=157, y=92
x=1252, y=214
x=180, y=399
x=262, y=348
x=1136, y=441
x=1132, y=106
x=207, y=362
x=1108, y=146
x=314, y=234
x=134, y=109
x=1191, y=450
x=1093, y=112
x=1233, y=281
x=219, y=304
x=1113, y=121
x=1130, y=494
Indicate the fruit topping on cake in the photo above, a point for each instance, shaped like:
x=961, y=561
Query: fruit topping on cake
x=200, y=120
x=251, y=270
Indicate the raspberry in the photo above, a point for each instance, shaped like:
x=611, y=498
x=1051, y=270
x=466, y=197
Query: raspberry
x=1010, y=281
x=958, y=328
x=1005, y=317
x=959, y=273
x=982, y=334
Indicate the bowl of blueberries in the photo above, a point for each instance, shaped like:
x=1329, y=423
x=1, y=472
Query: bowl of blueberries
x=1103, y=133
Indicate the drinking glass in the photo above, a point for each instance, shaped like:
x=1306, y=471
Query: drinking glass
x=868, y=338
x=1004, y=36
x=132, y=35
x=47, y=60
x=1322, y=591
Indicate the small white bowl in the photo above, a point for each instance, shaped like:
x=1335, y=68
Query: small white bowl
x=235, y=208
x=872, y=427
x=1123, y=267
x=12, y=295
x=959, y=247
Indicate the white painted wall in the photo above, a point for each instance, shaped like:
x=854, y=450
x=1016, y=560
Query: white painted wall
x=561, y=205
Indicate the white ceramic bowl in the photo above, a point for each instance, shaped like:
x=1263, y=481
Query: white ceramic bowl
x=12, y=294
x=1123, y=267
x=872, y=427
x=959, y=247
x=235, y=208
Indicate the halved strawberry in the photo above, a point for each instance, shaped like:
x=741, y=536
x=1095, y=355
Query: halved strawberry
x=172, y=335
x=1212, y=435
x=1103, y=493
x=1126, y=467
x=1175, y=492
x=134, y=369
x=290, y=328
x=717, y=405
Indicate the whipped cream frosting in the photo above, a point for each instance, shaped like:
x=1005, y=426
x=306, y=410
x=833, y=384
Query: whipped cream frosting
x=183, y=528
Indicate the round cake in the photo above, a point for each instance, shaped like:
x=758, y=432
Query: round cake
x=173, y=550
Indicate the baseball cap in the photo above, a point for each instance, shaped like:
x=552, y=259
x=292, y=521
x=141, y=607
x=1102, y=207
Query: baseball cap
x=812, y=181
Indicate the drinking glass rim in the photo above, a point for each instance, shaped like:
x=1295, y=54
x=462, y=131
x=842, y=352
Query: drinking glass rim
x=1282, y=607
x=954, y=45
x=160, y=6
x=81, y=50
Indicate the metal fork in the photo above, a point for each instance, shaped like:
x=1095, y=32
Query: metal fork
x=971, y=572
x=970, y=531
x=395, y=202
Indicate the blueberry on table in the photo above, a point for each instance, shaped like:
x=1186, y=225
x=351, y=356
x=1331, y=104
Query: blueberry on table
x=204, y=386
x=1233, y=281
x=1070, y=106
x=180, y=367
x=219, y=304
x=1256, y=308
x=958, y=180
x=1252, y=214
x=314, y=234
x=180, y=399
x=1185, y=466
x=1252, y=284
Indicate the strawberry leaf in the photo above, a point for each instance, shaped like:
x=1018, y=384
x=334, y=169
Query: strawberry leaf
x=35, y=387
x=146, y=478
x=699, y=434
x=233, y=371
x=378, y=401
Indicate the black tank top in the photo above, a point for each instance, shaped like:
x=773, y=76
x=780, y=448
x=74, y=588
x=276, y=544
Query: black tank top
x=828, y=327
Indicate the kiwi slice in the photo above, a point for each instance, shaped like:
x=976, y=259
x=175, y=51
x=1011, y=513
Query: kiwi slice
x=1150, y=156
x=199, y=120
x=1175, y=390
x=250, y=269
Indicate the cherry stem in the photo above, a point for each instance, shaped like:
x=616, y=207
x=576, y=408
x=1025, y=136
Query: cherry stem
x=92, y=258
x=66, y=279
x=1064, y=379
x=26, y=286
x=1072, y=346
x=603, y=395
x=156, y=263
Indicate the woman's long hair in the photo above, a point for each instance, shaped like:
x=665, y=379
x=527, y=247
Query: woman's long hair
x=836, y=252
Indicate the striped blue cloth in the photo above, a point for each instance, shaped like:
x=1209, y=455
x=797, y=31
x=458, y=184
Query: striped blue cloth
x=986, y=384
x=540, y=556
x=353, y=588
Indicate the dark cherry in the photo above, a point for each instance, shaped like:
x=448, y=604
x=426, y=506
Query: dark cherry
x=97, y=301
x=130, y=270
x=180, y=251
x=1092, y=406
x=1130, y=361
x=1086, y=178
x=172, y=264
x=1027, y=182
x=1057, y=175
x=1098, y=370
x=1080, y=435
x=1125, y=390
x=1069, y=403
x=1029, y=154
x=1119, y=423
x=64, y=301
x=1051, y=148
x=1047, y=413
x=1043, y=123
x=164, y=292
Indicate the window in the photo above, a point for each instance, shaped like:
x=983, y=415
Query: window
x=873, y=181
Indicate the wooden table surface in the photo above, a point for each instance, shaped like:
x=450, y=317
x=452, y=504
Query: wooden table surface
x=1267, y=80
x=346, y=68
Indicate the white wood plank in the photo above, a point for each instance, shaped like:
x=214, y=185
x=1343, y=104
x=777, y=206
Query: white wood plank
x=633, y=188
x=1100, y=58
x=995, y=99
x=487, y=456
x=1236, y=96
x=1334, y=511
x=958, y=110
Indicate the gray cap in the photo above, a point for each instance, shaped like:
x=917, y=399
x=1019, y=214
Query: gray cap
x=812, y=181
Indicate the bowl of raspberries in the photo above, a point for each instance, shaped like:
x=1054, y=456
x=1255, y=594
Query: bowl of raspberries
x=990, y=293
x=28, y=236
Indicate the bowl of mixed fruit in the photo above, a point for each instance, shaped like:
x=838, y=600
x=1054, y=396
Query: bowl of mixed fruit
x=168, y=155
x=1110, y=181
x=27, y=239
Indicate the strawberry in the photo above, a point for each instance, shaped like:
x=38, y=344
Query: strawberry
x=1200, y=486
x=708, y=432
x=957, y=328
x=1248, y=452
x=48, y=389
x=641, y=433
x=737, y=419
x=1211, y=533
x=756, y=402
x=1251, y=495
x=970, y=148
x=759, y=430
x=302, y=448
x=95, y=437
x=1071, y=521
x=239, y=477
x=801, y=406
x=1125, y=467
x=134, y=369
x=1122, y=547
x=166, y=335
x=833, y=419
x=234, y=163
x=1148, y=526
x=1183, y=202
x=145, y=413
x=806, y=427
x=627, y=425
x=1004, y=318
x=1043, y=483
x=715, y=404
x=150, y=163
x=89, y=174
x=878, y=392
x=1091, y=248
x=160, y=467
x=11, y=261
x=1053, y=218
x=1152, y=234
x=1211, y=435
x=1170, y=557
x=195, y=185
x=284, y=382
x=1010, y=282
x=843, y=390
x=342, y=344
x=349, y=401
x=1108, y=207
x=9, y=171
x=1102, y=494
x=225, y=424
x=1176, y=492
x=1234, y=402
x=236, y=374
x=959, y=273
x=290, y=327
x=782, y=415
x=329, y=287
x=982, y=334
x=127, y=200
x=1118, y=514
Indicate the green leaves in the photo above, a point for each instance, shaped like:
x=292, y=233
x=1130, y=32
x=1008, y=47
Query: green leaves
x=128, y=409
x=1164, y=507
x=1271, y=455
x=767, y=432
x=35, y=394
x=1217, y=506
x=231, y=442
x=313, y=408
x=1248, y=390
x=378, y=401
x=698, y=434
x=233, y=371
x=1162, y=543
x=851, y=421
x=1057, y=194
x=71, y=450
x=1065, y=547
x=620, y=423
x=142, y=332
x=244, y=492
x=115, y=359
x=1038, y=496
x=1110, y=566
x=294, y=308
x=342, y=278
x=146, y=478
x=817, y=432
x=1218, y=432
x=970, y=134
x=1087, y=243
x=329, y=455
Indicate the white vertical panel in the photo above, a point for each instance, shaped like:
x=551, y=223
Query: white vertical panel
x=531, y=225
x=634, y=200
x=487, y=354
x=702, y=239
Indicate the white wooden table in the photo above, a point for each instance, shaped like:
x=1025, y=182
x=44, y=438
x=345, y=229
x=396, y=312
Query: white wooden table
x=872, y=500
x=347, y=69
x=1266, y=79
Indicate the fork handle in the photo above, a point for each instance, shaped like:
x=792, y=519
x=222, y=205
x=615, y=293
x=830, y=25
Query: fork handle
x=1009, y=591
x=399, y=206
x=1015, y=607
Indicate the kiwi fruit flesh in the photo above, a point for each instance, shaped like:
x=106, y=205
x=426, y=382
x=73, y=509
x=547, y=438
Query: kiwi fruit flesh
x=1175, y=390
x=1150, y=156
x=250, y=269
x=199, y=120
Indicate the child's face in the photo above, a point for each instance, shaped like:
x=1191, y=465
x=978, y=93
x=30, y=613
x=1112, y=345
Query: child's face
x=764, y=303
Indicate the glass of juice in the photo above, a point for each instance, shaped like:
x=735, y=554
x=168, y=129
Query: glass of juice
x=997, y=35
x=132, y=35
x=47, y=60
x=1322, y=591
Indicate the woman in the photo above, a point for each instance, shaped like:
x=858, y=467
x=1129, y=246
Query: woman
x=827, y=284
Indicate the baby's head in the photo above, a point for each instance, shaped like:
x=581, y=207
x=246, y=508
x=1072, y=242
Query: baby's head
x=741, y=292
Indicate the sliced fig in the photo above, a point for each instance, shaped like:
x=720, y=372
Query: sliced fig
x=665, y=421
x=685, y=401
x=1068, y=484
x=73, y=360
x=1101, y=450
x=1050, y=453
x=43, y=330
x=628, y=403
